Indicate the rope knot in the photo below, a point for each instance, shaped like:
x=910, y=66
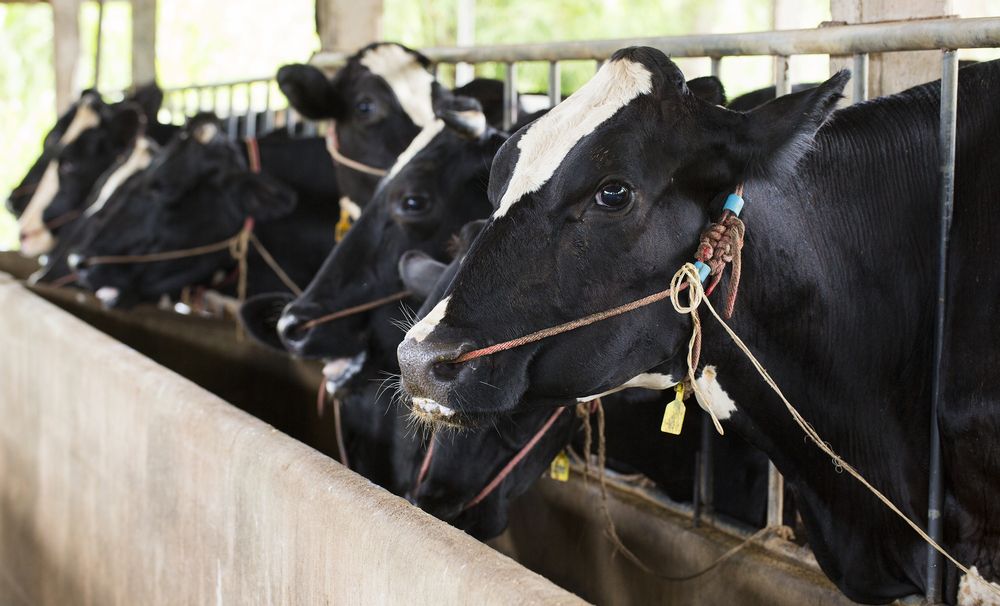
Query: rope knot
x=722, y=244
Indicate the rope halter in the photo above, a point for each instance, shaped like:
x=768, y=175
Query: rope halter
x=333, y=146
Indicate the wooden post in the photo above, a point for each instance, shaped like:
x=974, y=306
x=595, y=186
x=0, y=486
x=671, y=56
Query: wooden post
x=892, y=72
x=66, y=50
x=345, y=25
x=143, y=41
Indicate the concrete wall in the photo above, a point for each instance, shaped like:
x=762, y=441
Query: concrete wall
x=123, y=483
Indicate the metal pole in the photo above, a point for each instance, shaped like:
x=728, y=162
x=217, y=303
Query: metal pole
x=232, y=124
x=555, y=84
x=251, y=120
x=717, y=67
x=97, y=45
x=775, y=496
x=782, y=83
x=860, y=76
x=510, y=96
x=946, y=151
x=465, y=36
x=705, y=488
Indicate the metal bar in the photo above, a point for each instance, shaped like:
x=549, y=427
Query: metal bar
x=932, y=34
x=98, y=44
x=222, y=83
x=268, y=111
x=946, y=150
x=510, y=96
x=717, y=67
x=775, y=496
x=232, y=123
x=860, y=77
x=250, y=127
x=782, y=82
x=705, y=486
x=555, y=84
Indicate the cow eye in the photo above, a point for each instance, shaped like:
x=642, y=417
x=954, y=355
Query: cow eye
x=614, y=196
x=413, y=204
x=366, y=107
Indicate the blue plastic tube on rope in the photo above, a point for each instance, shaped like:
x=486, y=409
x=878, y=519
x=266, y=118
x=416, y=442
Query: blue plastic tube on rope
x=734, y=204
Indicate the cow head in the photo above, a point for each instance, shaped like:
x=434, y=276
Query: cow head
x=198, y=191
x=597, y=204
x=380, y=100
x=75, y=157
x=437, y=186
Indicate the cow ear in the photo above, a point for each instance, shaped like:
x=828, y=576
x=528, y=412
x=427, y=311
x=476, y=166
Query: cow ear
x=468, y=234
x=310, y=92
x=708, y=88
x=149, y=97
x=262, y=197
x=420, y=272
x=464, y=115
x=767, y=142
x=259, y=316
x=126, y=123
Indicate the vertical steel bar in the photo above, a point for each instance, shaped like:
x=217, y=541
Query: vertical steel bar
x=232, y=124
x=555, y=84
x=775, y=496
x=717, y=67
x=291, y=118
x=782, y=83
x=510, y=96
x=251, y=122
x=860, y=77
x=268, y=110
x=98, y=43
x=946, y=151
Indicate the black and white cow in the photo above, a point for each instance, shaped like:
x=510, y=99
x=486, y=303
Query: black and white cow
x=601, y=201
x=88, y=139
x=199, y=191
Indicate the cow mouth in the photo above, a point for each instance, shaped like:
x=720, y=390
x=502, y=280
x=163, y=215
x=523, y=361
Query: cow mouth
x=337, y=372
x=108, y=296
x=434, y=414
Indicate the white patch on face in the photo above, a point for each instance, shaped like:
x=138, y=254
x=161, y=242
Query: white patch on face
x=473, y=121
x=974, y=590
x=408, y=79
x=138, y=160
x=432, y=408
x=351, y=207
x=37, y=239
x=419, y=142
x=647, y=380
x=547, y=142
x=206, y=132
x=718, y=401
x=428, y=323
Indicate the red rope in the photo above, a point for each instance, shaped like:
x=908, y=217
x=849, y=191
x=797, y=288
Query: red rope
x=424, y=467
x=253, y=154
x=509, y=467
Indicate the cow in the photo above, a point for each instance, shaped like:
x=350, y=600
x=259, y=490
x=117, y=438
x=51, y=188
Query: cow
x=465, y=463
x=378, y=101
x=200, y=191
x=602, y=200
x=84, y=143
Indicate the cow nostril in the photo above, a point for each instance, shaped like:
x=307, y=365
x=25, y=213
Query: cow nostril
x=75, y=261
x=446, y=371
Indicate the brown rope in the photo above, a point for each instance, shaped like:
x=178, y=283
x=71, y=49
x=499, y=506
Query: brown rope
x=350, y=311
x=333, y=146
x=720, y=245
x=337, y=426
x=231, y=244
x=278, y=271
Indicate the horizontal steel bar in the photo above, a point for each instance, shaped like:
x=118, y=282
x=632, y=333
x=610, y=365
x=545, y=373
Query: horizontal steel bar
x=931, y=34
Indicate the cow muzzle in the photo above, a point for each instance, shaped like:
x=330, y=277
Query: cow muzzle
x=428, y=377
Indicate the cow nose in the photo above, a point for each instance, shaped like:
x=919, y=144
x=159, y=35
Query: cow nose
x=428, y=372
x=293, y=330
x=75, y=261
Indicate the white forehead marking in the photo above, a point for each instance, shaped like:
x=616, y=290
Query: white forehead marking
x=408, y=79
x=352, y=208
x=647, y=380
x=138, y=160
x=425, y=326
x=39, y=239
x=718, y=401
x=419, y=142
x=206, y=132
x=549, y=139
x=974, y=590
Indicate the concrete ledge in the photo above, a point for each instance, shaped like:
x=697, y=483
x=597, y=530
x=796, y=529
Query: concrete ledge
x=123, y=483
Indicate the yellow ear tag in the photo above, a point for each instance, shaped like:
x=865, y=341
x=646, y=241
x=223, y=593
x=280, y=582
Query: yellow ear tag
x=559, y=468
x=342, y=226
x=673, y=415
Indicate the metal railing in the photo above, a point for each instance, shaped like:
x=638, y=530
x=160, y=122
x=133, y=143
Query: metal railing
x=247, y=107
x=856, y=41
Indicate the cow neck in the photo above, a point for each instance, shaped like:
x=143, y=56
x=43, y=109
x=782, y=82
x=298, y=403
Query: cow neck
x=333, y=146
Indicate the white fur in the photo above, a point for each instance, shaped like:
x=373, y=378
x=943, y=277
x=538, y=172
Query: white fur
x=428, y=323
x=974, y=590
x=546, y=143
x=206, y=132
x=712, y=397
x=647, y=380
x=408, y=79
x=431, y=407
x=40, y=240
x=352, y=208
x=419, y=142
x=138, y=160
